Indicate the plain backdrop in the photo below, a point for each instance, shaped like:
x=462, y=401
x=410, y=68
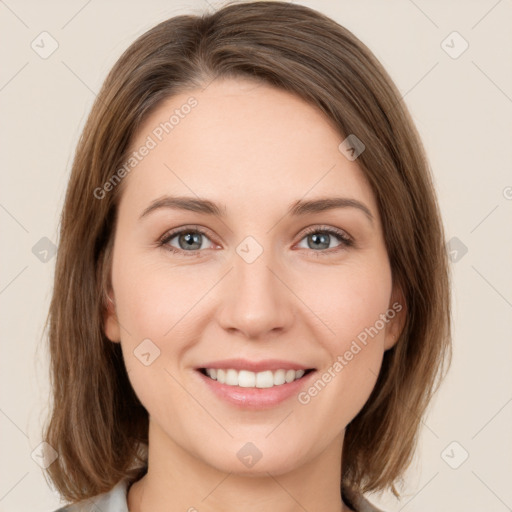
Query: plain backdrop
x=461, y=102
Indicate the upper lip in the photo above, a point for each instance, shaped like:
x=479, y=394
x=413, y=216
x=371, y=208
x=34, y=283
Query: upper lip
x=255, y=366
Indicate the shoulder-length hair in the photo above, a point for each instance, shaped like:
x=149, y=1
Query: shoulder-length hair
x=97, y=424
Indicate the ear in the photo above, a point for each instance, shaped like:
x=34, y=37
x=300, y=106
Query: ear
x=396, y=313
x=110, y=322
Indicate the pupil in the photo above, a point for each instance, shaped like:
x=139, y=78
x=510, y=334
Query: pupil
x=191, y=239
x=322, y=239
x=318, y=240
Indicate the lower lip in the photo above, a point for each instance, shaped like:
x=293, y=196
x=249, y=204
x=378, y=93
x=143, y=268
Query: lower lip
x=256, y=398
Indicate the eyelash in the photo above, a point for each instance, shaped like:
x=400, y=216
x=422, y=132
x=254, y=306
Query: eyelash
x=345, y=240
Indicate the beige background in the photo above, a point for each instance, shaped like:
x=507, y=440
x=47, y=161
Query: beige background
x=463, y=109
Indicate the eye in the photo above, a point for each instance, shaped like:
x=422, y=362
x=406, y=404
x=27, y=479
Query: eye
x=321, y=238
x=189, y=240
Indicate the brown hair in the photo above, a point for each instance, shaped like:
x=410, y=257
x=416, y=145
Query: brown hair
x=97, y=421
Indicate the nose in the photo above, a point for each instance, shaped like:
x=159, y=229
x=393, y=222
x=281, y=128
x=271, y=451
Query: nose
x=257, y=302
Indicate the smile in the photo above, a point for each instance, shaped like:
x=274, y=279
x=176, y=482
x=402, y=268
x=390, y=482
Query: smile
x=249, y=379
x=254, y=385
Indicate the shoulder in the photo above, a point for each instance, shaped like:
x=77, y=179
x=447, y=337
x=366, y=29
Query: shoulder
x=358, y=502
x=114, y=500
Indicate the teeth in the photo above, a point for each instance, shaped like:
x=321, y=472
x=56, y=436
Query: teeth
x=247, y=379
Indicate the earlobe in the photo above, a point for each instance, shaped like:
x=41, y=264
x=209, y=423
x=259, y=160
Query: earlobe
x=397, y=322
x=110, y=323
x=391, y=339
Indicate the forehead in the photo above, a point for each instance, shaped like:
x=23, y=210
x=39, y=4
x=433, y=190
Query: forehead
x=239, y=141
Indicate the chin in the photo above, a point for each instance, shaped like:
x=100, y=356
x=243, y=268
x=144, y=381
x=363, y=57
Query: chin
x=248, y=460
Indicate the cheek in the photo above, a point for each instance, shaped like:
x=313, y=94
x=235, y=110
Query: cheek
x=154, y=307
x=154, y=297
x=160, y=308
x=358, y=346
x=348, y=300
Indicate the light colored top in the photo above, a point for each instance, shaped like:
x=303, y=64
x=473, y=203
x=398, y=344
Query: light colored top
x=115, y=500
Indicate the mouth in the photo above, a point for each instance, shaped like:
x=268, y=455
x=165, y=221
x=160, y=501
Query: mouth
x=254, y=384
x=249, y=379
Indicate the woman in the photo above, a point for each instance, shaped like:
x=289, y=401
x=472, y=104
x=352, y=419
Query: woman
x=251, y=299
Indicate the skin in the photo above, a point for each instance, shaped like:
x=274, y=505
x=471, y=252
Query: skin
x=254, y=150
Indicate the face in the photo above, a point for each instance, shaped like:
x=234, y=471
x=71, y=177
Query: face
x=253, y=284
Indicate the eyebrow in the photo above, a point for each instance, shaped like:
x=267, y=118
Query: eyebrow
x=298, y=208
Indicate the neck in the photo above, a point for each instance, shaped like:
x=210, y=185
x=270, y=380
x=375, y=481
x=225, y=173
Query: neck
x=177, y=480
